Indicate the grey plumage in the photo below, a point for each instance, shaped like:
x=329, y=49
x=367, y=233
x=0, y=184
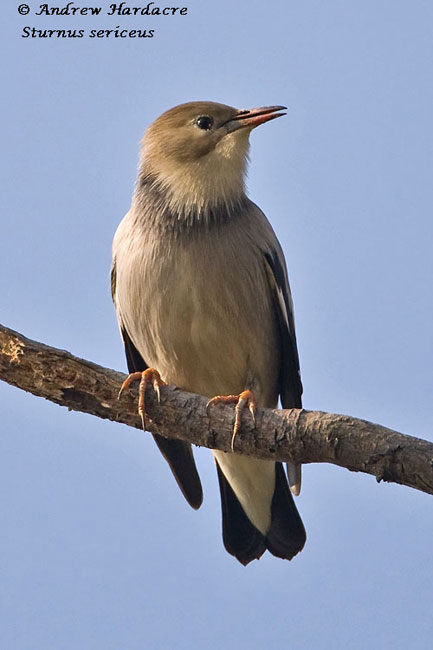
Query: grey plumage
x=201, y=293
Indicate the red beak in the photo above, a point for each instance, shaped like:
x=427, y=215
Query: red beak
x=253, y=117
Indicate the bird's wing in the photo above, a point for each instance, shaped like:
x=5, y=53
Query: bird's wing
x=177, y=453
x=290, y=377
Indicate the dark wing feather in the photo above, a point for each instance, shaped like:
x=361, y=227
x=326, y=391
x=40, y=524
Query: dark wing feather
x=177, y=453
x=290, y=378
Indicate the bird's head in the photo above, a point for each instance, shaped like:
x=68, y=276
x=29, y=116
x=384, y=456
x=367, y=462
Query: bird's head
x=197, y=152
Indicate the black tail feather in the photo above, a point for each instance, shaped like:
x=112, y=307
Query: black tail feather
x=286, y=536
x=240, y=537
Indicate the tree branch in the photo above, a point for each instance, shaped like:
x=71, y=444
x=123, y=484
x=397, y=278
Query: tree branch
x=294, y=434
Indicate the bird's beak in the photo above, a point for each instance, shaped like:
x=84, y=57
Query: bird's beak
x=253, y=117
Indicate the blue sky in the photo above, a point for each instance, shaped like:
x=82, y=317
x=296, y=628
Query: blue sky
x=98, y=548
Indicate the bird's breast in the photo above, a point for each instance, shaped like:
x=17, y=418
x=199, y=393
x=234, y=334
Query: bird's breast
x=198, y=308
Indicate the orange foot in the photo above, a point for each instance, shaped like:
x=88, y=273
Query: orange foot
x=148, y=376
x=246, y=398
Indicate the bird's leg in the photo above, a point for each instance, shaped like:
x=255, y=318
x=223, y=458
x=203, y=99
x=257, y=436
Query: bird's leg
x=246, y=398
x=148, y=376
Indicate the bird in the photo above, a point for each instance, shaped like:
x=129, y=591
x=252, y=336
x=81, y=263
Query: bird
x=200, y=287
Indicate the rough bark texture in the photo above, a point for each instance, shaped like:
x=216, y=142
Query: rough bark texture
x=298, y=435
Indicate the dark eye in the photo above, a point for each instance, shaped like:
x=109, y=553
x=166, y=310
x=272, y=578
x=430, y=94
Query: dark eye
x=204, y=122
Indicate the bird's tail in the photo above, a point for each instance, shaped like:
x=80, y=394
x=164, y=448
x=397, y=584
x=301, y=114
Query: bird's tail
x=286, y=535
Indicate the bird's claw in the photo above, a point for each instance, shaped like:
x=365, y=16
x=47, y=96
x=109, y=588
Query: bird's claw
x=148, y=376
x=246, y=398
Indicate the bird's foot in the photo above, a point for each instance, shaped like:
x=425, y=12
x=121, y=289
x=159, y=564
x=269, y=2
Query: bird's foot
x=148, y=376
x=246, y=398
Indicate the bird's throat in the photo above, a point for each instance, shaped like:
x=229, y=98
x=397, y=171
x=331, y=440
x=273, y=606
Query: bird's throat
x=190, y=197
x=160, y=209
x=198, y=186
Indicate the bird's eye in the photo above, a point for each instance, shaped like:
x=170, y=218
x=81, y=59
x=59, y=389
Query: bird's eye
x=204, y=122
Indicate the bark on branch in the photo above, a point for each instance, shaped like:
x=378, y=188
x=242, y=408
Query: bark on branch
x=298, y=435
